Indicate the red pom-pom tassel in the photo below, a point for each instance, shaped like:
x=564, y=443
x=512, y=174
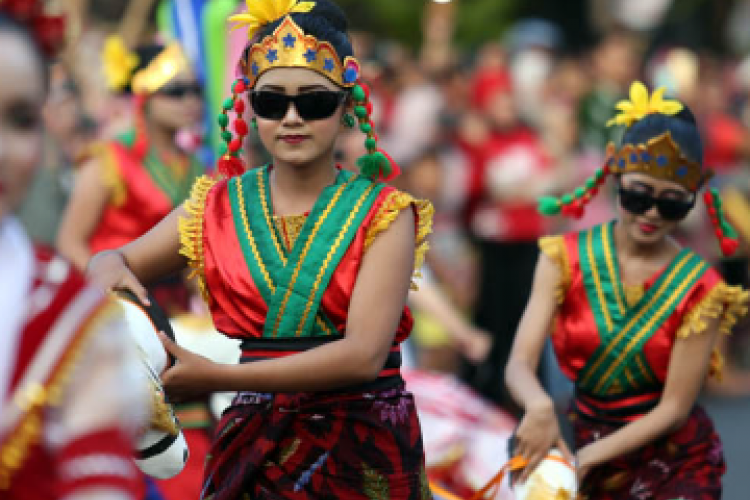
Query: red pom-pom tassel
x=239, y=106
x=729, y=246
x=235, y=145
x=230, y=166
x=395, y=169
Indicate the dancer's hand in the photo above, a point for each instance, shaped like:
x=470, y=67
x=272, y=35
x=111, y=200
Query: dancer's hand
x=109, y=271
x=191, y=376
x=539, y=432
x=474, y=344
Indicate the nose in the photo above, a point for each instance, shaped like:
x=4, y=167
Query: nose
x=653, y=213
x=292, y=117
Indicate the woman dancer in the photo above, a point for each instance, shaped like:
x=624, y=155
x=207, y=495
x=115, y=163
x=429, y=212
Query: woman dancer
x=67, y=410
x=634, y=319
x=135, y=180
x=309, y=265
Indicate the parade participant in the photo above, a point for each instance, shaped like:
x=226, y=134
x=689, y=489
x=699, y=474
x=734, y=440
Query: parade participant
x=309, y=265
x=68, y=411
x=634, y=318
x=132, y=182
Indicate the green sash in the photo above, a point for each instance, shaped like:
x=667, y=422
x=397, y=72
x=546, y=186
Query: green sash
x=175, y=187
x=619, y=362
x=293, y=284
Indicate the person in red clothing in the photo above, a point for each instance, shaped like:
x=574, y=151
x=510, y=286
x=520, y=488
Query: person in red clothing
x=508, y=172
x=67, y=419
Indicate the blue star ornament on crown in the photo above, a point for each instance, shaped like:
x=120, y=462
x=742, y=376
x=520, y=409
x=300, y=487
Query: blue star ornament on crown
x=288, y=46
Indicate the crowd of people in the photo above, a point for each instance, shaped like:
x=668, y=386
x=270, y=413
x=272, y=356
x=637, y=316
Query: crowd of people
x=133, y=192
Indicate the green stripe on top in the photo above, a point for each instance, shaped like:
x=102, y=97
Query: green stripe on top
x=176, y=186
x=606, y=367
x=293, y=285
x=325, y=237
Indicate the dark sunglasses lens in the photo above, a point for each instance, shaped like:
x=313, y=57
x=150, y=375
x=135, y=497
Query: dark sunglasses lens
x=269, y=105
x=635, y=202
x=674, y=209
x=317, y=105
x=180, y=91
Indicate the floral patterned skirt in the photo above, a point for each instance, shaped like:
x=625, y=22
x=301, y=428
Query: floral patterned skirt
x=306, y=446
x=686, y=465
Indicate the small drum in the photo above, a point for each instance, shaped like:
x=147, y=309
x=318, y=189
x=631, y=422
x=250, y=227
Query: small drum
x=161, y=450
x=554, y=479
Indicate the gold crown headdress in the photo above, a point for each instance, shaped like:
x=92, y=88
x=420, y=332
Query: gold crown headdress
x=119, y=63
x=290, y=47
x=660, y=157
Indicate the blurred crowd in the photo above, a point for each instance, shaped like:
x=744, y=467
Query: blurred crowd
x=482, y=133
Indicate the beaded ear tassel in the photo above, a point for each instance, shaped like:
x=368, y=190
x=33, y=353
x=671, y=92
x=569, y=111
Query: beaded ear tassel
x=573, y=205
x=376, y=164
x=230, y=162
x=725, y=233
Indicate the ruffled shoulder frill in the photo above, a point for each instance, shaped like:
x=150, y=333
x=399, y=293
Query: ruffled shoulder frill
x=555, y=249
x=394, y=203
x=191, y=231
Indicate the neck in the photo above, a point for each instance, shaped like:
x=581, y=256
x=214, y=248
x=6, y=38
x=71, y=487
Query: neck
x=631, y=248
x=298, y=186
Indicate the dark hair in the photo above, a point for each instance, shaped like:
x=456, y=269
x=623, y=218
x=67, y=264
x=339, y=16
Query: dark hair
x=326, y=22
x=146, y=54
x=682, y=127
x=9, y=24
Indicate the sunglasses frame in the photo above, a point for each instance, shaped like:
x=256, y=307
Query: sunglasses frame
x=662, y=204
x=295, y=99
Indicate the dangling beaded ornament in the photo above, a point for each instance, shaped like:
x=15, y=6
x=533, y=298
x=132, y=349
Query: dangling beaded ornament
x=376, y=164
x=573, y=205
x=725, y=233
x=230, y=163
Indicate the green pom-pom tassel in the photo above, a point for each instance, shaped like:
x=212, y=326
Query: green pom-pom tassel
x=371, y=143
x=360, y=111
x=566, y=199
x=228, y=104
x=223, y=148
x=598, y=175
x=590, y=183
x=728, y=230
x=373, y=164
x=226, y=135
x=549, y=205
x=366, y=128
x=223, y=120
x=358, y=94
x=579, y=192
x=349, y=120
x=717, y=198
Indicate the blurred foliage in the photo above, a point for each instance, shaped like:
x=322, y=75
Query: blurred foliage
x=478, y=20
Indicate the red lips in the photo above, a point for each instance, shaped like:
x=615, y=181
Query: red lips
x=294, y=139
x=647, y=228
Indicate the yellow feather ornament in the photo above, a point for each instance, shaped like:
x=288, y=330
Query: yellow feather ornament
x=262, y=12
x=640, y=105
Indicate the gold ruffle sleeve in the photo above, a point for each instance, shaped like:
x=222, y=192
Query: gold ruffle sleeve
x=191, y=231
x=554, y=248
x=394, y=203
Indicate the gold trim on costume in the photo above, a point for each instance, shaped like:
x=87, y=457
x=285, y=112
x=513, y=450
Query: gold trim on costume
x=554, y=248
x=191, y=232
x=729, y=303
x=394, y=203
x=168, y=64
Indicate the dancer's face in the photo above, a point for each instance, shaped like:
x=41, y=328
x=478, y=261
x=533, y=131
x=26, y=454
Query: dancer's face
x=22, y=94
x=178, y=104
x=303, y=133
x=651, y=208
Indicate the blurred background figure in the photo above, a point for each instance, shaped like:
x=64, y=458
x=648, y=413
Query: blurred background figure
x=69, y=407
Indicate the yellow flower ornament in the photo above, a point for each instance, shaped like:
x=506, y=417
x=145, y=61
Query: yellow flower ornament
x=118, y=62
x=640, y=105
x=262, y=12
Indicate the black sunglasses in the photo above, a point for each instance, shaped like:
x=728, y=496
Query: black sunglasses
x=316, y=105
x=180, y=90
x=640, y=202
